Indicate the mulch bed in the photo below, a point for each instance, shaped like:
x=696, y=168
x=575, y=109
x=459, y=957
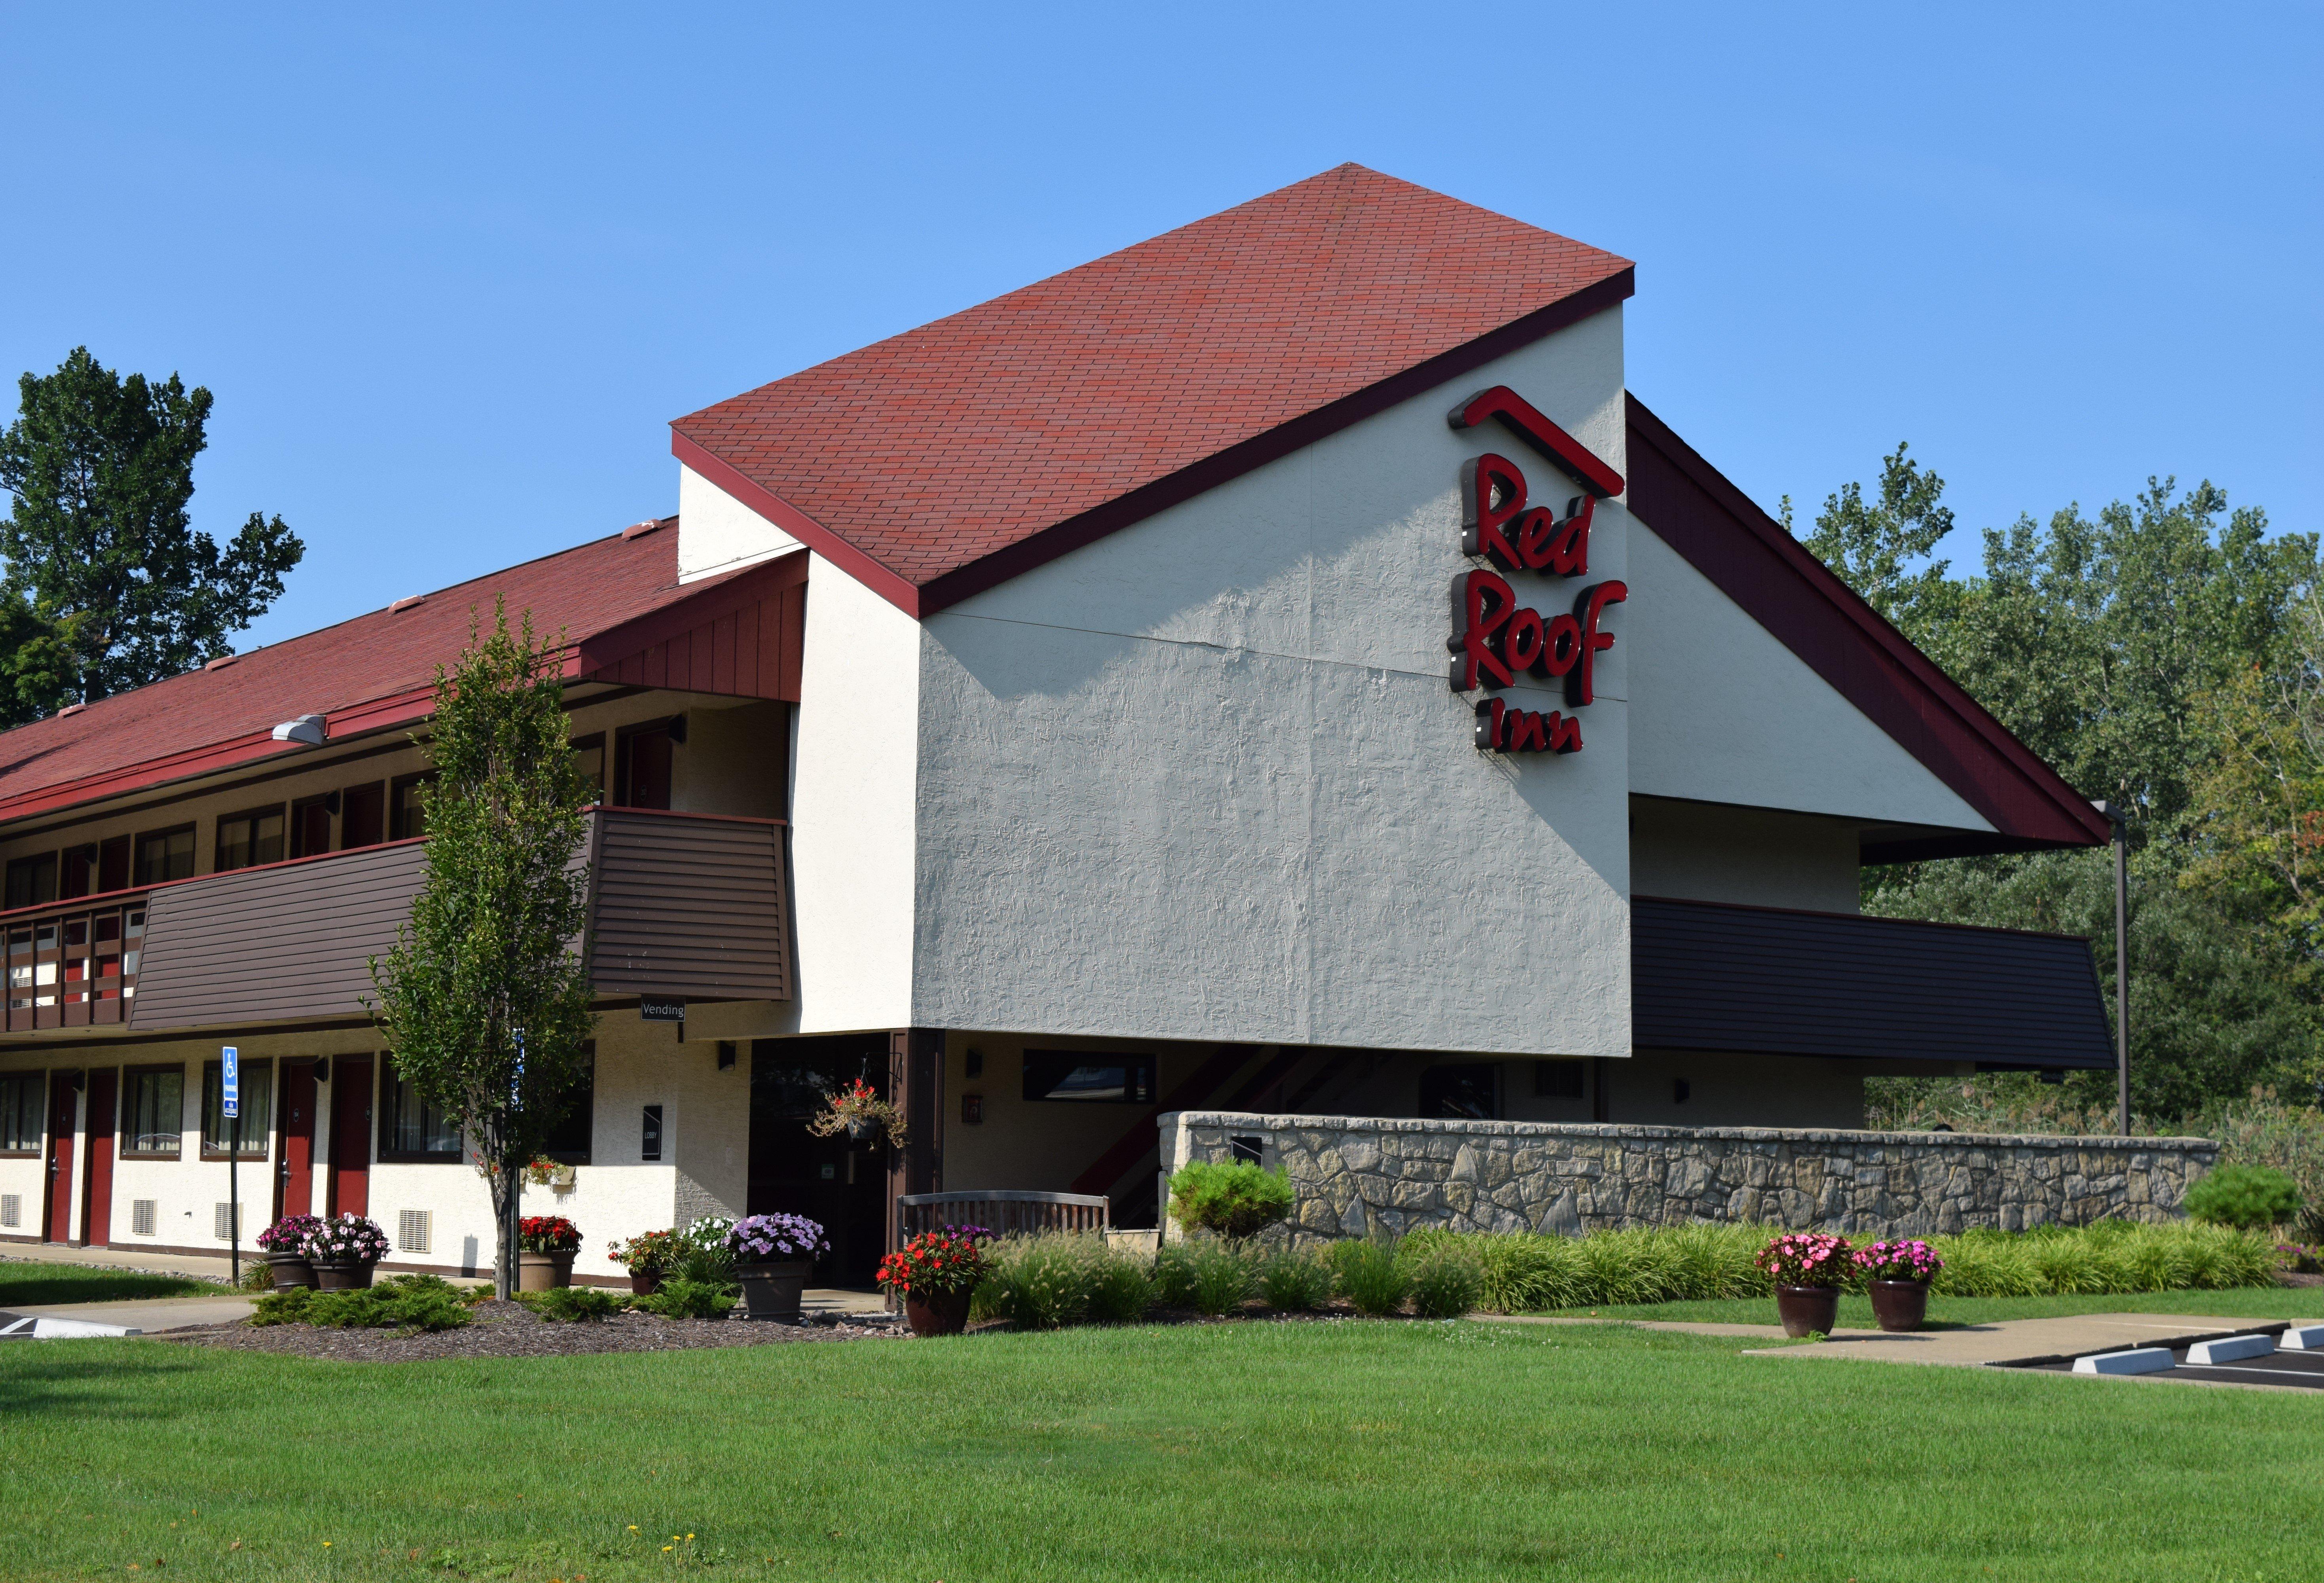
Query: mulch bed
x=511, y=1329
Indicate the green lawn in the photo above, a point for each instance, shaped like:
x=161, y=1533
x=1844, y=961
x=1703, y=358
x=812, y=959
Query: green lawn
x=2256, y=1302
x=25, y=1281
x=1345, y=1451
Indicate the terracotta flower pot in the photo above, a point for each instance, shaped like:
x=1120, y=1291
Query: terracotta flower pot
x=347, y=1277
x=543, y=1271
x=291, y=1272
x=774, y=1291
x=1900, y=1305
x=644, y=1282
x=945, y=1314
x=1807, y=1308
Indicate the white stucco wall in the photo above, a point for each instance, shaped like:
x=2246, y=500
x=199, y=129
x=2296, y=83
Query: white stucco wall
x=852, y=811
x=1722, y=712
x=1760, y=857
x=717, y=533
x=1205, y=779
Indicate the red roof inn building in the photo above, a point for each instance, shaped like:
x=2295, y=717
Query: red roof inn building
x=1280, y=666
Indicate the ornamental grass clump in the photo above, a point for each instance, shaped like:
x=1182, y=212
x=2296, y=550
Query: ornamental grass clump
x=1038, y=1282
x=1236, y=1201
x=1219, y=1275
x=1446, y=1282
x=1294, y=1283
x=1121, y=1287
x=1807, y=1258
x=1369, y=1277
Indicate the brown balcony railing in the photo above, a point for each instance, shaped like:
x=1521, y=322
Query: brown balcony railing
x=73, y=964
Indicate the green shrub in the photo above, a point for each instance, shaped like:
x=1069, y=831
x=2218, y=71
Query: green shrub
x=1294, y=1282
x=679, y=1297
x=1233, y=1201
x=405, y=1302
x=1446, y=1283
x=2247, y=1197
x=1121, y=1287
x=1369, y=1277
x=571, y=1305
x=257, y=1275
x=1219, y=1275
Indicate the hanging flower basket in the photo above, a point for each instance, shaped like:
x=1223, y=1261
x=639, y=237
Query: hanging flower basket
x=858, y=1111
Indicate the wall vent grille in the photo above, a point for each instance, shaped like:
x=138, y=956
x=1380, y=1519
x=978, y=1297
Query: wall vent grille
x=411, y=1230
x=224, y=1221
x=141, y=1216
x=12, y=1209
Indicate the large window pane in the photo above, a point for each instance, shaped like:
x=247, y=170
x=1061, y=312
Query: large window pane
x=1089, y=1078
x=257, y=1107
x=165, y=855
x=154, y=1121
x=19, y=1111
x=415, y=1127
x=569, y=1144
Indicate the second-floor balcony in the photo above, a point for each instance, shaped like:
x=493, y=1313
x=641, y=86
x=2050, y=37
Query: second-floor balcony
x=679, y=904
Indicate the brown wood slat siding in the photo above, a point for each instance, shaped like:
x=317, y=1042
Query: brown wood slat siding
x=751, y=653
x=290, y=942
x=1706, y=977
x=690, y=906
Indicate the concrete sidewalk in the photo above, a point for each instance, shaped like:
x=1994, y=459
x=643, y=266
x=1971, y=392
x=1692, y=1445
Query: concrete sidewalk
x=1706, y=1328
x=199, y=1266
x=2016, y=1341
x=147, y=1316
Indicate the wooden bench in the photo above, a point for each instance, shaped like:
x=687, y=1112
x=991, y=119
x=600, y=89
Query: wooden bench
x=1009, y=1212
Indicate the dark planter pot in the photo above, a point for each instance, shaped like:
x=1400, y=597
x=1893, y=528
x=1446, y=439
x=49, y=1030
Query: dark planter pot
x=1805, y=1309
x=291, y=1272
x=1900, y=1305
x=946, y=1315
x=644, y=1282
x=341, y=1277
x=773, y=1292
x=543, y=1271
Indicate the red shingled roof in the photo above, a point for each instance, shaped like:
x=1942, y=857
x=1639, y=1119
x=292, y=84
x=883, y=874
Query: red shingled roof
x=363, y=675
x=953, y=457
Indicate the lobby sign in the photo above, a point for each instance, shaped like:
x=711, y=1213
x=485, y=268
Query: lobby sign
x=1495, y=638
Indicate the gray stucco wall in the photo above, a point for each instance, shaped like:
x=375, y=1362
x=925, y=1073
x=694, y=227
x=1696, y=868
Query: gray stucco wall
x=1358, y=1176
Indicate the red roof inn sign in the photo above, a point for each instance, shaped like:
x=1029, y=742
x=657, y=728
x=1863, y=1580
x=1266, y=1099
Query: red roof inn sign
x=1495, y=639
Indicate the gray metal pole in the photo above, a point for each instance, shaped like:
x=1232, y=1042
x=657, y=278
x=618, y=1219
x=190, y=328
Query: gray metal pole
x=2122, y=969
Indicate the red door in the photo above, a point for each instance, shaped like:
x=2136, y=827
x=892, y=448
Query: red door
x=294, y=1179
x=350, y=1135
x=97, y=1193
x=59, y=1223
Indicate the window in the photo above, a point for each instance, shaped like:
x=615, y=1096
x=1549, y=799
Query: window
x=153, y=1112
x=310, y=825
x=410, y=1130
x=646, y=755
x=32, y=880
x=1089, y=1078
x=113, y=865
x=79, y=875
x=1557, y=1080
x=257, y=1109
x=649, y=1135
x=591, y=752
x=247, y=839
x=165, y=855
x=408, y=818
x=569, y=1144
x=1461, y=1093
x=362, y=815
x=20, y=1113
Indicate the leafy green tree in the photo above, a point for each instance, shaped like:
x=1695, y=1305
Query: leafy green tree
x=106, y=577
x=1883, y=548
x=485, y=997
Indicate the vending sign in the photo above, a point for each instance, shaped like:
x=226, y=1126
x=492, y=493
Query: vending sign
x=1495, y=638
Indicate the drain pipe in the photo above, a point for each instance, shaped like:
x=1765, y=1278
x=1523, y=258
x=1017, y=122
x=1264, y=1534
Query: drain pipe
x=2121, y=825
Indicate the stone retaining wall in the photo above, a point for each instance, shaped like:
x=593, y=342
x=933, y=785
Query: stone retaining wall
x=1359, y=1176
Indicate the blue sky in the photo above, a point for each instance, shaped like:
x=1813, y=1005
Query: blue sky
x=451, y=271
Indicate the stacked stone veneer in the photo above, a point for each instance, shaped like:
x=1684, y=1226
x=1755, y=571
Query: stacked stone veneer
x=1358, y=1176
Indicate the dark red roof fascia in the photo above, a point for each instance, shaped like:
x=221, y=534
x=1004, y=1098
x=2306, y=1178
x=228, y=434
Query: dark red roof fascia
x=1692, y=507
x=1062, y=538
x=1576, y=460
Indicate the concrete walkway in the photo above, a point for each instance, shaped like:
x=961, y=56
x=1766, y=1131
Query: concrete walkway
x=198, y=1265
x=2010, y=1341
x=1705, y=1327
